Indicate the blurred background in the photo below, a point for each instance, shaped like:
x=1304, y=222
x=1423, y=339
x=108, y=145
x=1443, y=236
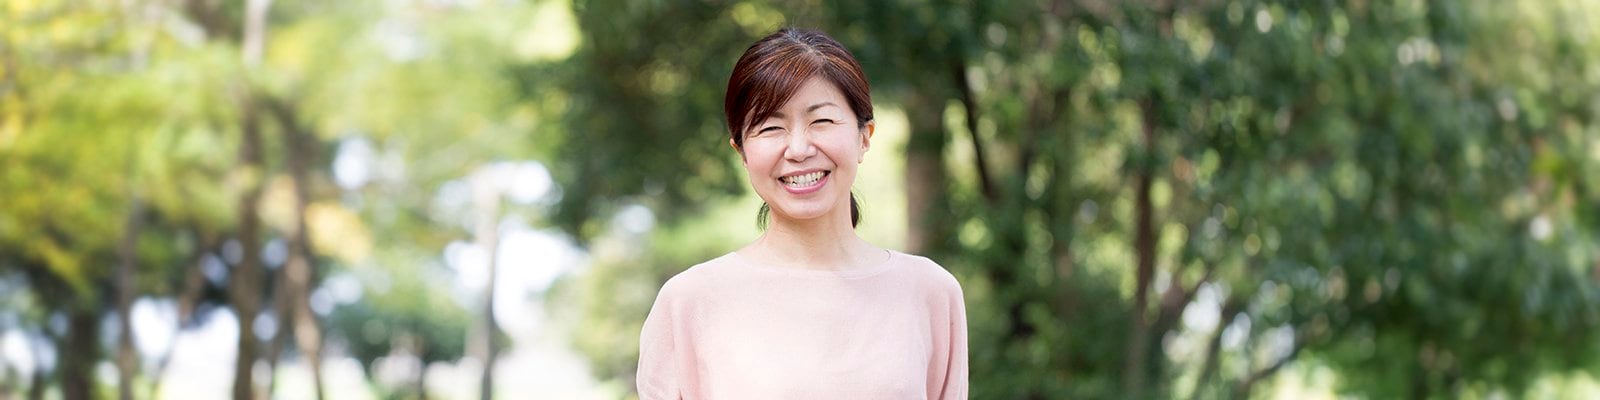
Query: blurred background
x=458, y=199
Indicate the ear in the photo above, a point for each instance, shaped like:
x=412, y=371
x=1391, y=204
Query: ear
x=736, y=148
x=866, y=137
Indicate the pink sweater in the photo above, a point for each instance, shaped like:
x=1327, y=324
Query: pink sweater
x=731, y=328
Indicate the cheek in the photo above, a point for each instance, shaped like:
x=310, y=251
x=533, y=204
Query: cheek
x=758, y=160
x=844, y=150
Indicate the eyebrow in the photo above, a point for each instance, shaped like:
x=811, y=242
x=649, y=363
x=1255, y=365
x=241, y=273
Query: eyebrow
x=813, y=107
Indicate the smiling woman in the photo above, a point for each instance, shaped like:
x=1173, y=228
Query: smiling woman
x=808, y=65
x=800, y=147
x=808, y=310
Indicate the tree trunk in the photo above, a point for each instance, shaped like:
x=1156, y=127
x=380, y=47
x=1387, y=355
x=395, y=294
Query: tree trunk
x=274, y=354
x=1059, y=209
x=1419, y=378
x=244, y=286
x=420, y=347
x=127, y=360
x=487, y=201
x=36, y=384
x=926, y=178
x=79, y=352
x=245, y=282
x=188, y=300
x=299, y=272
x=1144, y=246
x=1208, y=368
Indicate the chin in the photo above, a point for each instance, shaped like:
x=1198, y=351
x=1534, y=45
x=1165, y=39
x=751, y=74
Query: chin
x=801, y=212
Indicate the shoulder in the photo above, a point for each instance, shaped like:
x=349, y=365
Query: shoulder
x=694, y=281
x=935, y=276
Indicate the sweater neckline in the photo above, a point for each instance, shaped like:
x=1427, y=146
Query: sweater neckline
x=864, y=272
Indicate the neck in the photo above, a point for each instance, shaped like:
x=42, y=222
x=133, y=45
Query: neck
x=828, y=243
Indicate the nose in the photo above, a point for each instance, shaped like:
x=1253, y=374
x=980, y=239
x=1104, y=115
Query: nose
x=799, y=147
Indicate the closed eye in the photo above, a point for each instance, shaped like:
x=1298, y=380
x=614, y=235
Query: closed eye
x=824, y=120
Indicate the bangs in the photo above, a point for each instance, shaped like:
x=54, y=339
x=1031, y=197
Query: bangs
x=771, y=83
x=771, y=71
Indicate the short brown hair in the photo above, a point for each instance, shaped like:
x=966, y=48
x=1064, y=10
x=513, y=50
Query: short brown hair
x=772, y=70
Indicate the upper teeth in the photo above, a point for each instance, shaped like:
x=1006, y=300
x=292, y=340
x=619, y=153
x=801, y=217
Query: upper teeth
x=803, y=180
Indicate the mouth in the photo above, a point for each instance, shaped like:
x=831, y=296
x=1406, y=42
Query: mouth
x=804, y=180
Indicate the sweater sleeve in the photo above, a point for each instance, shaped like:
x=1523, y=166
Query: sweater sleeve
x=661, y=372
x=953, y=384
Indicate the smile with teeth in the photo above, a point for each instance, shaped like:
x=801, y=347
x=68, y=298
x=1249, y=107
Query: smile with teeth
x=803, y=180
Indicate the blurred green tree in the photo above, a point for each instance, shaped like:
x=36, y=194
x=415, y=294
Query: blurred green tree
x=112, y=116
x=80, y=221
x=1162, y=199
x=1142, y=199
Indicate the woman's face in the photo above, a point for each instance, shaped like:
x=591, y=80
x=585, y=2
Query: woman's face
x=802, y=160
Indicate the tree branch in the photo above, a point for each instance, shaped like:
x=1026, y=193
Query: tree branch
x=1232, y=309
x=1042, y=115
x=1177, y=297
x=969, y=102
x=212, y=20
x=1242, y=388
